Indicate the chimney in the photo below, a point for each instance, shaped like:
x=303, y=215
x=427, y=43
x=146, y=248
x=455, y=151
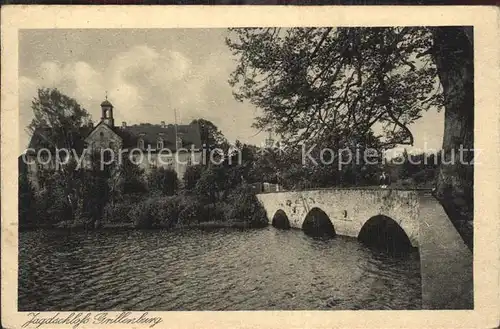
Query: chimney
x=124, y=124
x=91, y=124
x=163, y=124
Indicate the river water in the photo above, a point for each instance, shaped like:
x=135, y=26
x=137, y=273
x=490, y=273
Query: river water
x=259, y=269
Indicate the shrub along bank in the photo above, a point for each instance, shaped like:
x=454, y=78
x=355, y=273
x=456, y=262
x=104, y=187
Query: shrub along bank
x=185, y=211
x=155, y=200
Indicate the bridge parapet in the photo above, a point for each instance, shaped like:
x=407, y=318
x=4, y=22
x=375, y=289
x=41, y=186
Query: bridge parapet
x=348, y=208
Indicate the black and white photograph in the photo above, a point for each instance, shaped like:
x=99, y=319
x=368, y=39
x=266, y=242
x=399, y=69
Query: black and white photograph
x=262, y=168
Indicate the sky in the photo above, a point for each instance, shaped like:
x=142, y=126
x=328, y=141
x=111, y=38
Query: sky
x=148, y=73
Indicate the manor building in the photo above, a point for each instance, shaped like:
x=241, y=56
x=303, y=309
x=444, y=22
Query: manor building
x=149, y=145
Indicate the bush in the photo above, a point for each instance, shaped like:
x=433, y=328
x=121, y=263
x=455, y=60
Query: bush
x=139, y=214
x=51, y=202
x=246, y=207
x=217, y=212
x=192, y=176
x=95, y=193
x=27, y=202
x=163, y=180
x=165, y=212
x=208, y=188
x=132, y=179
x=191, y=212
x=118, y=212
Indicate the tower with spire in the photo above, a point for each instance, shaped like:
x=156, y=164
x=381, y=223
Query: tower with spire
x=107, y=112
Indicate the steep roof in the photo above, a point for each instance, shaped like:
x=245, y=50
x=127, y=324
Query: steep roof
x=106, y=103
x=189, y=134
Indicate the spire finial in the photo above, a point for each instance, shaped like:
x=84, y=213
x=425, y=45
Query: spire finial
x=106, y=95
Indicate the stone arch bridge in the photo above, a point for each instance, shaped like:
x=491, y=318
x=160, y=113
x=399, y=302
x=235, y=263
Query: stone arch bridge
x=446, y=262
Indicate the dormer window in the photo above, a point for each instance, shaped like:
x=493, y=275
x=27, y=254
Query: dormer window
x=159, y=144
x=140, y=143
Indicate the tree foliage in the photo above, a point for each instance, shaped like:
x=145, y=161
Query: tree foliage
x=335, y=83
x=62, y=114
x=210, y=135
x=192, y=176
x=27, y=202
x=131, y=178
x=414, y=170
x=163, y=180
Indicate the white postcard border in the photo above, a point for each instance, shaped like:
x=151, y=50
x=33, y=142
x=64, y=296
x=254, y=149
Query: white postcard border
x=487, y=121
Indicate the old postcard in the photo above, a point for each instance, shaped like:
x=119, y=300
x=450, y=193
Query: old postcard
x=260, y=167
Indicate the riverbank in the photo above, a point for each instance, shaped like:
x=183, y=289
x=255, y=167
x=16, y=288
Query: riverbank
x=210, y=225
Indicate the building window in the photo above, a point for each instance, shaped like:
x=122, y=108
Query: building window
x=189, y=160
x=106, y=157
x=140, y=143
x=101, y=134
x=159, y=144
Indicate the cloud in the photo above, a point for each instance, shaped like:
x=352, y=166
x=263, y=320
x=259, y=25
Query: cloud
x=50, y=74
x=144, y=85
x=144, y=80
x=88, y=82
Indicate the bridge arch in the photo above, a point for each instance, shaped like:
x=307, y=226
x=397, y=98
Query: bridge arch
x=280, y=220
x=317, y=223
x=383, y=232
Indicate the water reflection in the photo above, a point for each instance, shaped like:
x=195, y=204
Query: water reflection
x=214, y=270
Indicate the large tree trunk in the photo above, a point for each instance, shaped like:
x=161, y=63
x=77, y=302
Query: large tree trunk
x=454, y=57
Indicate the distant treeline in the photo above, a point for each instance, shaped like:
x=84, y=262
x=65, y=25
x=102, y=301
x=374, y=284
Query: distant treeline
x=127, y=196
